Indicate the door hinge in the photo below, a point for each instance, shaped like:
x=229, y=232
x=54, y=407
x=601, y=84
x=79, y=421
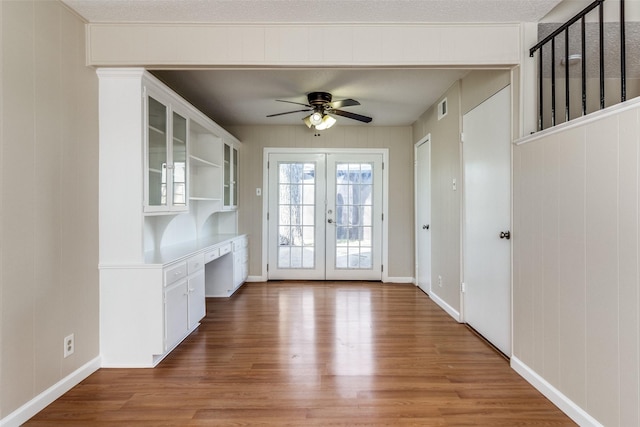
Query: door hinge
x=463, y=287
x=382, y=165
x=267, y=216
x=381, y=268
x=268, y=165
x=267, y=267
x=461, y=136
x=383, y=217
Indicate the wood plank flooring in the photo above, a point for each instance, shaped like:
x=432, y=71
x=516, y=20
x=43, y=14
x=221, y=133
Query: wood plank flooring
x=319, y=354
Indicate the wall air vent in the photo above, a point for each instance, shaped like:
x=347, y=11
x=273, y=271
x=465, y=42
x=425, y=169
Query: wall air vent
x=442, y=108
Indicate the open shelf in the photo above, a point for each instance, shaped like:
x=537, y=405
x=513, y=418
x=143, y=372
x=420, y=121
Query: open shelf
x=199, y=162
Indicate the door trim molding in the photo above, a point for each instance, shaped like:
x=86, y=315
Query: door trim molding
x=385, y=203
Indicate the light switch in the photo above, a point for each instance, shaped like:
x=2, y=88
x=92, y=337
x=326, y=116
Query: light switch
x=258, y=191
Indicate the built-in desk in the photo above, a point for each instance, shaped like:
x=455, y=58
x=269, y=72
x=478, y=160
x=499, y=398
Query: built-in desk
x=147, y=309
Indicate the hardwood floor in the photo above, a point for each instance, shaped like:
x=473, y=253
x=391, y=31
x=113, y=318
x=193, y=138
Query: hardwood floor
x=315, y=353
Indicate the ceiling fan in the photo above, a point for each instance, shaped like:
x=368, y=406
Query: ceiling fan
x=320, y=106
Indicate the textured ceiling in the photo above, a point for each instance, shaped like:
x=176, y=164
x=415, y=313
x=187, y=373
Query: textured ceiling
x=286, y=11
x=391, y=96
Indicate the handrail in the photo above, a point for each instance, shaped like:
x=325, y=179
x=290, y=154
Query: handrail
x=551, y=38
x=566, y=25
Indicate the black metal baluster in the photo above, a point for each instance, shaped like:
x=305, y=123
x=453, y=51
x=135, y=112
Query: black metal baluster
x=541, y=93
x=566, y=75
x=601, y=28
x=584, y=67
x=623, y=56
x=553, y=81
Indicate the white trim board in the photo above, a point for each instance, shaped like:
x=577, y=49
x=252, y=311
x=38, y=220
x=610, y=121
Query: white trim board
x=566, y=405
x=41, y=401
x=446, y=307
x=385, y=203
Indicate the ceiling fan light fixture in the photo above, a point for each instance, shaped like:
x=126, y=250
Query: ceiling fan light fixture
x=327, y=122
x=316, y=118
x=307, y=121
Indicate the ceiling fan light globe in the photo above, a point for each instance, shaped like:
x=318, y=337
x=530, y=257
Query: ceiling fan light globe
x=315, y=118
x=307, y=121
x=327, y=122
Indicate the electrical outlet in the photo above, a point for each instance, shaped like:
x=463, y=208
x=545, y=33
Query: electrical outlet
x=69, y=345
x=440, y=281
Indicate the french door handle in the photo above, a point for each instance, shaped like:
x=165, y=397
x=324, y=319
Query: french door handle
x=505, y=235
x=425, y=227
x=330, y=221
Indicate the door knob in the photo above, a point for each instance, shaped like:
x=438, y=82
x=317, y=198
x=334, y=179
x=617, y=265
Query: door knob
x=425, y=227
x=330, y=221
x=505, y=235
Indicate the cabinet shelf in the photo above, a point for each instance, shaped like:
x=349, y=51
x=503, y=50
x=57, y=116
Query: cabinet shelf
x=206, y=199
x=198, y=162
x=155, y=170
x=156, y=130
x=181, y=141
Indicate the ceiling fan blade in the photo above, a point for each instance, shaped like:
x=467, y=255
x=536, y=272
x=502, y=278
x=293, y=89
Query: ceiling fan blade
x=344, y=103
x=291, y=102
x=350, y=115
x=288, y=112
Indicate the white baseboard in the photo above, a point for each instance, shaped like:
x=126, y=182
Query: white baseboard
x=41, y=401
x=385, y=280
x=446, y=307
x=566, y=405
x=398, y=280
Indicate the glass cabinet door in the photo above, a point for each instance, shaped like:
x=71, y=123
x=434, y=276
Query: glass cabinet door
x=227, y=175
x=179, y=160
x=157, y=153
x=234, y=181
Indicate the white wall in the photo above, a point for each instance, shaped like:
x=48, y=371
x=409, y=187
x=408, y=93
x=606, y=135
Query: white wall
x=446, y=161
x=396, y=139
x=576, y=292
x=49, y=200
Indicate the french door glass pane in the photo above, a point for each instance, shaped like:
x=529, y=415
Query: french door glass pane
x=354, y=201
x=296, y=218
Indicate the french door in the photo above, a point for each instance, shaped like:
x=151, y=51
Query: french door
x=325, y=216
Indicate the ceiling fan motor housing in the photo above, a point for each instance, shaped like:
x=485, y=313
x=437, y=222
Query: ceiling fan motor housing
x=318, y=99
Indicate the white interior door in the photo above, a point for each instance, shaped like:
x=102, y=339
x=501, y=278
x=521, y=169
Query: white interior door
x=487, y=219
x=297, y=216
x=325, y=216
x=423, y=214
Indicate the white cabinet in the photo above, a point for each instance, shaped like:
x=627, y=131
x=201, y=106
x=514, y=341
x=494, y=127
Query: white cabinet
x=175, y=314
x=165, y=154
x=195, y=290
x=197, y=302
x=184, y=299
x=230, y=176
x=240, y=261
x=162, y=210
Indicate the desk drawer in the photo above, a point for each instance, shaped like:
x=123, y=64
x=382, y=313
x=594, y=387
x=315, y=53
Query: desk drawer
x=195, y=263
x=240, y=244
x=175, y=273
x=225, y=249
x=211, y=255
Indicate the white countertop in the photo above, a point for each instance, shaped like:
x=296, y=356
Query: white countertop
x=181, y=251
